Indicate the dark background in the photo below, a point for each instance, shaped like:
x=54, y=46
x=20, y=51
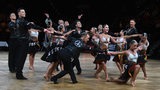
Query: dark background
x=116, y=13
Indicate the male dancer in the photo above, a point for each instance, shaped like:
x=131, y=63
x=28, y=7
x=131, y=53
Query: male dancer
x=11, y=43
x=21, y=41
x=68, y=55
x=77, y=34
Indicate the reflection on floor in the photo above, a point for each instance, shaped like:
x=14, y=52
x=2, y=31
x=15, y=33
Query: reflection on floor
x=86, y=79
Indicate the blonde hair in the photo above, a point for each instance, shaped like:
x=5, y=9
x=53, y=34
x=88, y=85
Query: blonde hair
x=133, y=42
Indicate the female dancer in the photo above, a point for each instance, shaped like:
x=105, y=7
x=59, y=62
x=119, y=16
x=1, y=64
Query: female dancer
x=58, y=39
x=94, y=38
x=33, y=47
x=142, y=54
x=50, y=51
x=131, y=66
x=101, y=58
x=120, y=59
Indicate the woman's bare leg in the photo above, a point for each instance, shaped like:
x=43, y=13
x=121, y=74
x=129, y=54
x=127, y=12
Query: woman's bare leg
x=98, y=71
x=144, y=71
x=105, y=70
x=121, y=64
x=50, y=69
x=31, y=61
x=96, y=67
x=119, y=67
x=46, y=75
x=53, y=69
x=136, y=71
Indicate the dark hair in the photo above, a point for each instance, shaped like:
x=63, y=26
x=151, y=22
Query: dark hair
x=77, y=21
x=84, y=34
x=104, y=25
x=60, y=27
x=132, y=20
x=19, y=9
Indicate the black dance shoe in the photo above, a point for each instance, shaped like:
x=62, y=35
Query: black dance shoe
x=20, y=77
x=12, y=71
x=53, y=79
x=79, y=73
x=74, y=82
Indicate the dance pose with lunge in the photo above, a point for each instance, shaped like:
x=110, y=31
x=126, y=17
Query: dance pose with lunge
x=120, y=59
x=68, y=55
x=58, y=40
x=131, y=66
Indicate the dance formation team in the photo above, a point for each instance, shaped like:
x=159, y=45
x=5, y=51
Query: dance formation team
x=66, y=42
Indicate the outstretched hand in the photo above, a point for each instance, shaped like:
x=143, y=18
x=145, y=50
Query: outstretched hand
x=47, y=15
x=140, y=35
x=109, y=53
x=48, y=31
x=80, y=16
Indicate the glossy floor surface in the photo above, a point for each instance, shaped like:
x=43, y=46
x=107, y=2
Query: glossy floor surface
x=86, y=80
